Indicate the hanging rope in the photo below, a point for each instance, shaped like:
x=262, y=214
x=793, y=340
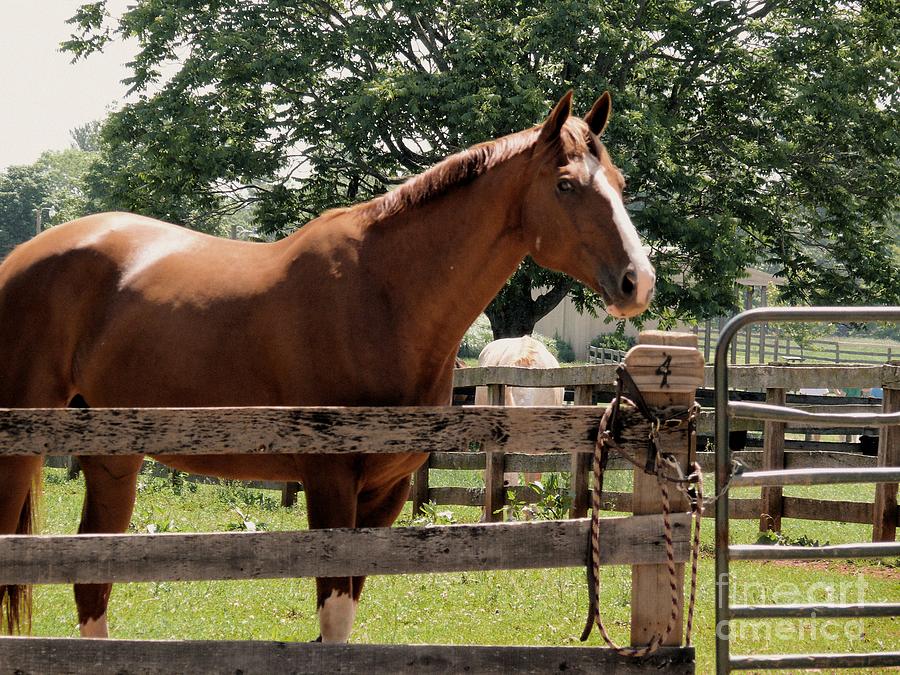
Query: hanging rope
x=653, y=465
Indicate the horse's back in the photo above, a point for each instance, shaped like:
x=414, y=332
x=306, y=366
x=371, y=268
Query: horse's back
x=105, y=288
x=521, y=352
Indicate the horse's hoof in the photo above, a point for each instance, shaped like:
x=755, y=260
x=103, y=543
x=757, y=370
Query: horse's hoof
x=318, y=639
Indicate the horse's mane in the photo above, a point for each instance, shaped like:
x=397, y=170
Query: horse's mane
x=455, y=170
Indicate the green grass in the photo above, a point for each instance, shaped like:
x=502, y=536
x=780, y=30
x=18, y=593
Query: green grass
x=822, y=349
x=532, y=607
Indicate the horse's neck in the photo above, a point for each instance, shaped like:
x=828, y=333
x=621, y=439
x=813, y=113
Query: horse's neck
x=444, y=260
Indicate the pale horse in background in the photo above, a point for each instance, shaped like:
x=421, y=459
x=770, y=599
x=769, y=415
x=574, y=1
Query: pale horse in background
x=521, y=352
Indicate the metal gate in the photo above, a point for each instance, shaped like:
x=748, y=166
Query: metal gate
x=726, y=478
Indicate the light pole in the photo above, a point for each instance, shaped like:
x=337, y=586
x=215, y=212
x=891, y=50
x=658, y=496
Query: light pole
x=38, y=217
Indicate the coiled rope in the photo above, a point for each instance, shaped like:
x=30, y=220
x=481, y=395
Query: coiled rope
x=673, y=474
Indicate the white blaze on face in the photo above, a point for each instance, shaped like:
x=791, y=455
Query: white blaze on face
x=94, y=628
x=631, y=243
x=336, y=617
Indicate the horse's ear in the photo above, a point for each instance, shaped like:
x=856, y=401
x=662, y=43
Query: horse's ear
x=598, y=117
x=558, y=117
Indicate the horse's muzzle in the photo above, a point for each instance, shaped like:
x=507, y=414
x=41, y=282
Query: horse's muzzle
x=630, y=294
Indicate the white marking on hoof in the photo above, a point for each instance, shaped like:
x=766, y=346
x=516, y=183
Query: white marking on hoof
x=336, y=617
x=95, y=628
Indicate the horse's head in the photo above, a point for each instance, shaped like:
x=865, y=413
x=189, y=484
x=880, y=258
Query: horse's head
x=574, y=219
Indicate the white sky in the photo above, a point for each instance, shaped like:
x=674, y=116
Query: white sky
x=42, y=94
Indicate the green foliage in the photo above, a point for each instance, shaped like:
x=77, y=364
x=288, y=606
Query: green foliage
x=554, y=497
x=86, y=137
x=751, y=133
x=54, y=184
x=245, y=523
x=803, y=334
x=175, y=484
x=476, y=338
x=23, y=189
x=782, y=539
x=617, y=340
x=431, y=515
x=564, y=350
x=549, y=343
x=235, y=494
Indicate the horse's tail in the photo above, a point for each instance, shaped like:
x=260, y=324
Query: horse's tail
x=15, y=601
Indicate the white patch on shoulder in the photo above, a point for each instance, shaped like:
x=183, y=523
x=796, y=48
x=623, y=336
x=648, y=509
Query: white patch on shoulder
x=94, y=628
x=147, y=256
x=336, y=617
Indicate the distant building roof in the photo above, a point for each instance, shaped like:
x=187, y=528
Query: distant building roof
x=755, y=277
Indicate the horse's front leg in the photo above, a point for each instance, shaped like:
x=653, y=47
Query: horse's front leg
x=379, y=508
x=108, y=504
x=331, y=502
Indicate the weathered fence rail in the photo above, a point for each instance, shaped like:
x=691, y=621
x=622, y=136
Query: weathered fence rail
x=593, y=382
x=636, y=540
x=44, y=655
x=333, y=553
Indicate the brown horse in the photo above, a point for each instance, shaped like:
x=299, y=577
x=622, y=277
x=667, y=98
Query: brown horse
x=117, y=310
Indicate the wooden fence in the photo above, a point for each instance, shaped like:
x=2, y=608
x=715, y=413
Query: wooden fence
x=637, y=540
x=764, y=344
x=601, y=355
x=595, y=382
x=765, y=446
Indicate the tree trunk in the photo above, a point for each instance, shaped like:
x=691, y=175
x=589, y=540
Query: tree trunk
x=513, y=313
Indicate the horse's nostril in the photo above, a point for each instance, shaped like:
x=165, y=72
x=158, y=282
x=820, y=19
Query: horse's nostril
x=629, y=283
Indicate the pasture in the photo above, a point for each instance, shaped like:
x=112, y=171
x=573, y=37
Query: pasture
x=529, y=607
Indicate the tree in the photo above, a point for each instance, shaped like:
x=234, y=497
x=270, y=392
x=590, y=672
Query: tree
x=86, y=137
x=66, y=171
x=54, y=184
x=23, y=189
x=753, y=132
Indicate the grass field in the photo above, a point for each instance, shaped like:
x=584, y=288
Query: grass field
x=822, y=350
x=543, y=607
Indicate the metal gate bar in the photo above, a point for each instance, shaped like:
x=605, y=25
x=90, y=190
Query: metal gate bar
x=776, y=413
x=820, y=476
x=806, y=661
x=814, y=611
x=724, y=551
x=879, y=549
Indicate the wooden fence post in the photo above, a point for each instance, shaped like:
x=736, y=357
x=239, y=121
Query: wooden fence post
x=707, y=339
x=773, y=460
x=73, y=468
x=420, y=487
x=748, y=332
x=763, y=327
x=581, y=462
x=494, y=489
x=650, y=590
x=289, y=493
x=885, y=525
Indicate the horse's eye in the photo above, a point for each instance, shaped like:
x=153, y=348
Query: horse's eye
x=565, y=185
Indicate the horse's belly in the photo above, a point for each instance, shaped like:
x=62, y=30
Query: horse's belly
x=235, y=467
x=375, y=469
